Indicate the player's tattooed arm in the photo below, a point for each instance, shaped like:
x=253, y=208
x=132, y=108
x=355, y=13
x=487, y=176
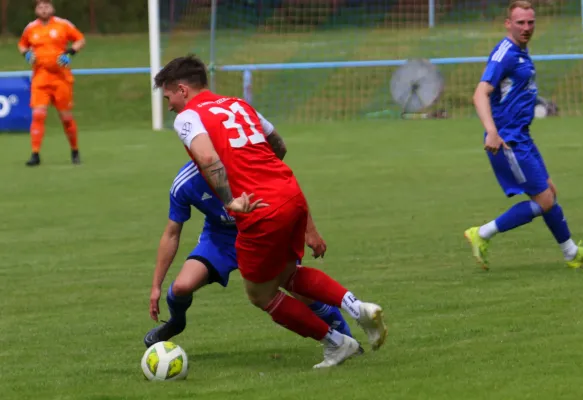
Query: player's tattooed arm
x=277, y=144
x=216, y=176
x=211, y=166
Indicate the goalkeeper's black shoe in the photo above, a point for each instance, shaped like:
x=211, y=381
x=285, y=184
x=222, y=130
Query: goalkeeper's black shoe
x=75, y=158
x=34, y=160
x=164, y=332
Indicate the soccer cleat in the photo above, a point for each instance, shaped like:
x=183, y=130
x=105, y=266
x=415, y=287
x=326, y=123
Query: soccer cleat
x=479, y=246
x=163, y=333
x=336, y=355
x=75, y=158
x=577, y=262
x=371, y=321
x=34, y=160
x=343, y=328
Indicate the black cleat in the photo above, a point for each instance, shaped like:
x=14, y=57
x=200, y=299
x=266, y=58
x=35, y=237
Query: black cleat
x=75, y=158
x=34, y=160
x=164, y=332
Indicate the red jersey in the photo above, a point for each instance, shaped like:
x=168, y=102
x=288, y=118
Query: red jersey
x=238, y=133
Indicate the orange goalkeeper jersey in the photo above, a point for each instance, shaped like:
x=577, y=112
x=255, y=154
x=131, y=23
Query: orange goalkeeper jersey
x=48, y=42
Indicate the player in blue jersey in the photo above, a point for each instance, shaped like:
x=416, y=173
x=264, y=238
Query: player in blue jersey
x=214, y=258
x=505, y=99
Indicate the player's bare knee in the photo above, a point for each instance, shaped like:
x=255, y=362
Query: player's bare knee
x=185, y=284
x=182, y=287
x=287, y=276
x=258, y=301
x=552, y=187
x=545, y=200
x=261, y=297
x=193, y=275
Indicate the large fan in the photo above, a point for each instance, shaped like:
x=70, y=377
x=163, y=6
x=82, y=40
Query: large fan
x=416, y=85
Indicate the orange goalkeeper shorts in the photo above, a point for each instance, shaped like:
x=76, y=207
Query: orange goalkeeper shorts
x=59, y=94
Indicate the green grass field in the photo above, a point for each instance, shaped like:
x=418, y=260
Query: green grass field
x=391, y=198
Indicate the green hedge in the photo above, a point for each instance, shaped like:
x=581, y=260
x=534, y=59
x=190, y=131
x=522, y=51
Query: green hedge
x=122, y=16
x=111, y=16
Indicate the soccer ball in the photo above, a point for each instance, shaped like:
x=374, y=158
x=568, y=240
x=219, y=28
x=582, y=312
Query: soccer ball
x=165, y=361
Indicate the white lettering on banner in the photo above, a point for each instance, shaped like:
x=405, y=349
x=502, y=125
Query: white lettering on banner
x=6, y=104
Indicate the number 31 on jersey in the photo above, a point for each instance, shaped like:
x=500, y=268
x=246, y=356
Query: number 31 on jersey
x=247, y=133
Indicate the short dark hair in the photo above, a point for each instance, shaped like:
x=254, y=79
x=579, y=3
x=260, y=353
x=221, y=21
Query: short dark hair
x=44, y=2
x=189, y=69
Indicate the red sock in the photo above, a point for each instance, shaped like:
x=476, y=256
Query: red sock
x=316, y=285
x=294, y=315
x=71, y=131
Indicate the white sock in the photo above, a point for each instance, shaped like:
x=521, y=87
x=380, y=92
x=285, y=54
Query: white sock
x=334, y=338
x=569, y=249
x=488, y=230
x=351, y=305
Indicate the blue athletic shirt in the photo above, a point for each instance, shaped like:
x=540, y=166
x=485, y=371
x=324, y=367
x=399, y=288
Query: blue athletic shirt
x=190, y=189
x=511, y=72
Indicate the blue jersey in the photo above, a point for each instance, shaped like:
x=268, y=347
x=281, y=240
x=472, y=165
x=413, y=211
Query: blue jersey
x=511, y=72
x=190, y=189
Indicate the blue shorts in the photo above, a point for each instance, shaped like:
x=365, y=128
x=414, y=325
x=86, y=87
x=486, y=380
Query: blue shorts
x=520, y=169
x=217, y=253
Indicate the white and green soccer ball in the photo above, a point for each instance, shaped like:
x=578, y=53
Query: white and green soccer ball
x=165, y=361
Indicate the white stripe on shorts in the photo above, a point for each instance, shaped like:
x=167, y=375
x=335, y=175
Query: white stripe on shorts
x=514, y=166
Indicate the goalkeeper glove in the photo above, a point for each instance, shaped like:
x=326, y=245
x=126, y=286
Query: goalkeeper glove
x=29, y=57
x=65, y=59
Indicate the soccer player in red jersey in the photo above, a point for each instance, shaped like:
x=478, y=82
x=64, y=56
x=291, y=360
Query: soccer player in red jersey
x=226, y=138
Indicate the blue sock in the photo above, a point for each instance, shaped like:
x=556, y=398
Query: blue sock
x=332, y=316
x=519, y=214
x=177, y=305
x=557, y=223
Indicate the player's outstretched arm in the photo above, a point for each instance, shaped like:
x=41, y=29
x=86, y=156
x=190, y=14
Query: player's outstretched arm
x=166, y=252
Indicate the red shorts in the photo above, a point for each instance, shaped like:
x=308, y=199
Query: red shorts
x=265, y=247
